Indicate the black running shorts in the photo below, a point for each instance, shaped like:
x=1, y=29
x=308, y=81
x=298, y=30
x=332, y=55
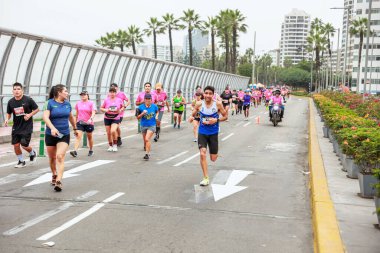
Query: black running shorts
x=208, y=140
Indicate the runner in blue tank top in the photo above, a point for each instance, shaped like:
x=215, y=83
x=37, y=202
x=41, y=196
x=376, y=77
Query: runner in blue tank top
x=209, y=111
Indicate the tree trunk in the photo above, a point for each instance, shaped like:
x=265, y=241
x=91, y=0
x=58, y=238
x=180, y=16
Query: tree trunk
x=122, y=48
x=233, y=60
x=133, y=47
x=171, y=44
x=227, y=51
x=213, y=48
x=155, y=44
x=190, y=47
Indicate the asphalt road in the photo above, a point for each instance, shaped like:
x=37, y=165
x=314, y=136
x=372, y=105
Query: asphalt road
x=117, y=202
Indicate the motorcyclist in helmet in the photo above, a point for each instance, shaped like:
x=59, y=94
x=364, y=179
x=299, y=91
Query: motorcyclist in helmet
x=276, y=99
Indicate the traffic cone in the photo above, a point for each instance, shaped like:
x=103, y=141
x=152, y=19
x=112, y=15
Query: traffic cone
x=258, y=120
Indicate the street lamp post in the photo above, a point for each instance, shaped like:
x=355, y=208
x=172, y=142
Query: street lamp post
x=254, y=59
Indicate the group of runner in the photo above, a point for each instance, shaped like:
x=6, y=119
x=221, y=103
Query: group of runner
x=208, y=109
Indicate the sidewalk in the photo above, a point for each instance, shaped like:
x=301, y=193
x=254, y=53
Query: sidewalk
x=355, y=215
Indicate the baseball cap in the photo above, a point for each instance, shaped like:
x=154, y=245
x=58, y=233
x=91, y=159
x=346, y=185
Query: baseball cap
x=113, y=85
x=148, y=96
x=83, y=92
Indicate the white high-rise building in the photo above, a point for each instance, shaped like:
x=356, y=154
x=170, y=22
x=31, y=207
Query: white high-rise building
x=294, y=31
x=348, y=16
x=275, y=55
x=373, y=70
x=163, y=52
x=199, y=41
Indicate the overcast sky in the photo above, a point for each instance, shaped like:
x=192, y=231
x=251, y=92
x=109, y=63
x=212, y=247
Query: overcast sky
x=83, y=21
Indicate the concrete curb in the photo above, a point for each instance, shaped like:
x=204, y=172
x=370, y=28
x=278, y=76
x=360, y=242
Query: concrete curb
x=327, y=237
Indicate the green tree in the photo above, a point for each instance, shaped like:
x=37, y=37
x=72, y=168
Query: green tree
x=109, y=41
x=171, y=24
x=225, y=33
x=359, y=28
x=238, y=25
x=135, y=37
x=245, y=69
x=210, y=27
x=191, y=21
x=122, y=39
x=154, y=27
x=288, y=62
x=294, y=76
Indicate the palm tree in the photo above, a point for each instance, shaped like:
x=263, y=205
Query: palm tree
x=224, y=32
x=237, y=19
x=171, y=24
x=154, y=27
x=122, y=40
x=134, y=36
x=210, y=27
x=329, y=31
x=359, y=28
x=249, y=54
x=192, y=21
x=108, y=41
x=317, y=42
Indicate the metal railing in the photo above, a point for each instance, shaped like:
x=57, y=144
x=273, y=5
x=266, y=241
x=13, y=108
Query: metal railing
x=39, y=63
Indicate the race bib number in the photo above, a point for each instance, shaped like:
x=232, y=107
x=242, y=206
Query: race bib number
x=177, y=105
x=19, y=111
x=160, y=103
x=113, y=108
x=225, y=101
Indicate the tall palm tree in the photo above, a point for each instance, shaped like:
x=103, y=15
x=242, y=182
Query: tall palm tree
x=134, y=36
x=154, y=27
x=238, y=25
x=122, y=40
x=317, y=42
x=225, y=33
x=359, y=28
x=191, y=21
x=171, y=24
x=109, y=41
x=329, y=31
x=210, y=27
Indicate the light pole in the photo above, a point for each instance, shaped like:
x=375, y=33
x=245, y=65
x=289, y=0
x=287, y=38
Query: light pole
x=254, y=59
x=348, y=8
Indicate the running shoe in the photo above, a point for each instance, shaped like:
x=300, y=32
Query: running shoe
x=114, y=148
x=119, y=142
x=195, y=140
x=155, y=138
x=73, y=153
x=179, y=126
x=20, y=164
x=90, y=153
x=146, y=157
x=110, y=149
x=204, y=182
x=33, y=157
x=58, y=186
x=175, y=124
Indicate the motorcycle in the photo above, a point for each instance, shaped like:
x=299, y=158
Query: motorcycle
x=276, y=114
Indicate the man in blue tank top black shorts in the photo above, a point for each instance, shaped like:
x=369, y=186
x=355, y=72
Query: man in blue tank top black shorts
x=208, y=130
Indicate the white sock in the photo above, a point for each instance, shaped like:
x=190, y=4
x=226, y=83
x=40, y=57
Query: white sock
x=20, y=158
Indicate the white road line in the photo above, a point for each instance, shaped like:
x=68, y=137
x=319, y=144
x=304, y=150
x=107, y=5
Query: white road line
x=186, y=160
x=78, y=218
x=228, y=136
x=7, y=164
x=173, y=157
x=240, y=123
x=106, y=142
x=246, y=124
x=46, y=215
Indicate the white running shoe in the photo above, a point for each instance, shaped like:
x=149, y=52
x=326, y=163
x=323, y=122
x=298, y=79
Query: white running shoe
x=205, y=182
x=114, y=148
x=110, y=149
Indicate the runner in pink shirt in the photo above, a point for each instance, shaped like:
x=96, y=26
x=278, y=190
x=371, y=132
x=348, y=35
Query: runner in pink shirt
x=162, y=100
x=126, y=102
x=147, y=89
x=268, y=95
x=112, y=107
x=240, y=101
x=85, y=113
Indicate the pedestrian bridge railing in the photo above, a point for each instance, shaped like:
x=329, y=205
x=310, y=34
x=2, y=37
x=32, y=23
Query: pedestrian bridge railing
x=39, y=63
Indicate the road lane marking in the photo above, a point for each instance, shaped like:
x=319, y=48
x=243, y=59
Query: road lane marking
x=106, y=142
x=186, y=160
x=246, y=124
x=47, y=215
x=7, y=164
x=240, y=123
x=78, y=218
x=228, y=136
x=173, y=157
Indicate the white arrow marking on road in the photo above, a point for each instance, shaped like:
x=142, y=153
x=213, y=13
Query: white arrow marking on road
x=222, y=191
x=70, y=173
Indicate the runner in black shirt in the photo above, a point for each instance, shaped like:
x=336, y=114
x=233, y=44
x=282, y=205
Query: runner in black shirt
x=23, y=109
x=226, y=97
